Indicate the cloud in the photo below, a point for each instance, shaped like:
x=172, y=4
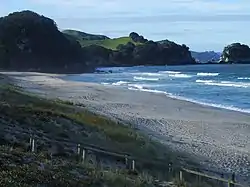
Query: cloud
x=142, y=6
x=184, y=21
x=120, y=8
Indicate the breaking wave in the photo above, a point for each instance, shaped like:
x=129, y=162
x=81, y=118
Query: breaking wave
x=224, y=83
x=180, y=75
x=145, y=79
x=208, y=74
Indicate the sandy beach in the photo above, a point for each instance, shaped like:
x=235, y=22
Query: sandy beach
x=219, y=138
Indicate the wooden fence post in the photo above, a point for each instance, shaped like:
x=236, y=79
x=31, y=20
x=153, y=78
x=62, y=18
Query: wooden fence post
x=170, y=171
x=83, y=155
x=181, y=176
x=33, y=145
x=133, y=165
x=30, y=142
x=126, y=162
x=78, y=149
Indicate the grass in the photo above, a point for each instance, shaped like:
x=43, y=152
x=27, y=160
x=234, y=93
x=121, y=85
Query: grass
x=23, y=169
x=88, y=39
x=108, y=43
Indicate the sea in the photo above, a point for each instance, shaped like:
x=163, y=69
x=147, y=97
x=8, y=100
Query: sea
x=222, y=86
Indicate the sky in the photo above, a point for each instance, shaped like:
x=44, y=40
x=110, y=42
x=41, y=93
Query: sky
x=200, y=24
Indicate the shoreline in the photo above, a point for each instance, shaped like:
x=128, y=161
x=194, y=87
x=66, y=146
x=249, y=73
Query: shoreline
x=218, y=138
x=185, y=99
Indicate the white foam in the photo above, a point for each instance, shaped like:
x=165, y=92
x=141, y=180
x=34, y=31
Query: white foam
x=232, y=108
x=224, y=83
x=204, y=81
x=105, y=83
x=119, y=83
x=136, y=86
x=145, y=79
x=243, y=78
x=208, y=74
x=180, y=75
x=146, y=90
x=228, y=84
x=170, y=72
x=148, y=74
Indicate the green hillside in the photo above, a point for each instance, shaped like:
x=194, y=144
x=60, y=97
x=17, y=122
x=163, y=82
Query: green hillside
x=109, y=43
x=86, y=39
x=84, y=36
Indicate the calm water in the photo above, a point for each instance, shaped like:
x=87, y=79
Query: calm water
x=224, y=86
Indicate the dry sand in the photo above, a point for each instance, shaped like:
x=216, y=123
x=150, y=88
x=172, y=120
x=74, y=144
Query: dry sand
x=219, y=138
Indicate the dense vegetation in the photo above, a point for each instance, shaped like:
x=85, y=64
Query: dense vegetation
x=153, y=53
x=136, y=50
x=236, y=53
x=29, y=41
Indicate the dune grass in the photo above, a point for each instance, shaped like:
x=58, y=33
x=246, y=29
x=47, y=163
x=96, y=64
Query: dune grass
x=20, y=168
x=34, y=112
x=55, y=120
x=63, y=121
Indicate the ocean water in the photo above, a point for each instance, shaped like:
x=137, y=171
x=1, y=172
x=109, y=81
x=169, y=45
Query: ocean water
x=223, y=86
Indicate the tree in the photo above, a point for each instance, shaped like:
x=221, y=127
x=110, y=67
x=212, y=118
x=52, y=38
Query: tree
x=34, y=41
x=137, y=38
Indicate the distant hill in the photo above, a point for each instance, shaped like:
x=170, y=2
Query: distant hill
x=207, y=56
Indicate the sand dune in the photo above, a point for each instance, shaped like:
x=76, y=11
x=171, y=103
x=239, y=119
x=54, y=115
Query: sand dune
x=219, y=138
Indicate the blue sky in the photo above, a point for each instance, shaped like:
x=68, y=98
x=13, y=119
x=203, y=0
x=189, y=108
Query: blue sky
x=201, y=24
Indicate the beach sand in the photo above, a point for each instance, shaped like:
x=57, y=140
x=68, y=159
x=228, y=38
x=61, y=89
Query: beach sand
x=220, y=139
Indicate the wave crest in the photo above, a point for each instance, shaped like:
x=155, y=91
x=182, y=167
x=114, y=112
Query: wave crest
x=119, y=83
x=180, y=75
x=204, y=81
x=243, y=78
x=145, y=79
x=208, y=74
x=170, y=72
x=148, y=74
x=224, y=83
